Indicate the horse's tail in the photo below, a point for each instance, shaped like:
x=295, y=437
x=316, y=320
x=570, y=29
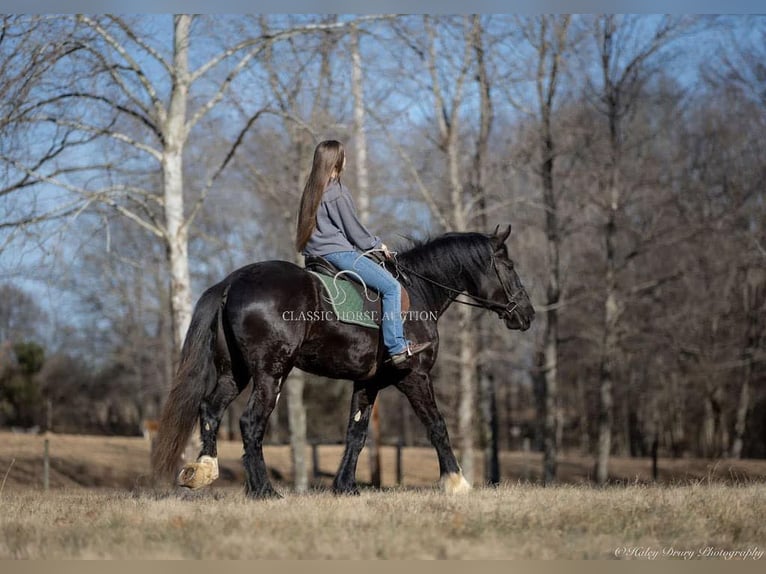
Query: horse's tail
x=196, y=375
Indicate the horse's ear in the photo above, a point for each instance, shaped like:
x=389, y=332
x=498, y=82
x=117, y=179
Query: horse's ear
x=501, y=235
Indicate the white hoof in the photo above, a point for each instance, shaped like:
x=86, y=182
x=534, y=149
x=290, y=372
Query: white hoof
x=455, y=483
x=198, y=474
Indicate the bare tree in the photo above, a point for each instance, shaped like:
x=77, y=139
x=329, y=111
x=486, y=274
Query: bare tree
x=486, y=378
x=549, y=38
x=625, y=65
x=447, y=102
x=30, y=45
x=754, y=302
x=737, y=75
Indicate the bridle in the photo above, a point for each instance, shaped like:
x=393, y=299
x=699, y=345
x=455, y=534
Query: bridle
x=511, y=296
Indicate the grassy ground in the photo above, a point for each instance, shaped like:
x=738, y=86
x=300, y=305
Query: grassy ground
x=513, y=521
x=99, y=507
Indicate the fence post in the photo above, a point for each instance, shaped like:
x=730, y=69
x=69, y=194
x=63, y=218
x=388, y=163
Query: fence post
x=48, y=415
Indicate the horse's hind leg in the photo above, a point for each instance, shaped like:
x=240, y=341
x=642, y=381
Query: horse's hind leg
x=418, y=389
x=205, y=470
x=362, y=399
x=253, y=426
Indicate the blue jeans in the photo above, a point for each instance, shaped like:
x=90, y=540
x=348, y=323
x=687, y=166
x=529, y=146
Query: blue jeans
x=384, y=283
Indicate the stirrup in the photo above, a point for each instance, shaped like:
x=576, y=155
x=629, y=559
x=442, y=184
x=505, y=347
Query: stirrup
x=411, y=350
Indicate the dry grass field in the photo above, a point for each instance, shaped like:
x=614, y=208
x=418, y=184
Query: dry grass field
x=514, y=521
x=99, y=507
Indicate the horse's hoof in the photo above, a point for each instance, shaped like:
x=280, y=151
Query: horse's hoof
x=195, y=475
x=264, y=494
x=455, y=483
x=346, y=491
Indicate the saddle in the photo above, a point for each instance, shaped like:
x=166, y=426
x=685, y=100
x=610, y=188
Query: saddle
x=322, y=267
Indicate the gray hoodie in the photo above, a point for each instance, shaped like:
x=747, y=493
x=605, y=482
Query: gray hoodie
x=338, y=227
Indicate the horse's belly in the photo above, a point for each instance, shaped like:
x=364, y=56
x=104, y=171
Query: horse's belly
x=340, y=352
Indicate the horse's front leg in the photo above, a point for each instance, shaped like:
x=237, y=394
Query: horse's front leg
x=362, y=400
x=418, y=389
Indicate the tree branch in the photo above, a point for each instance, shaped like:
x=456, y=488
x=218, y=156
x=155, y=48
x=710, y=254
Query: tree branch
x=98, y=131
x=109, y=39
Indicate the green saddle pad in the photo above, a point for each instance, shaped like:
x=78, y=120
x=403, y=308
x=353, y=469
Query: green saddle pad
x=347, y=302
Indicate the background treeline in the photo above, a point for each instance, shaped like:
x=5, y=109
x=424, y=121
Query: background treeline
x=145, y=157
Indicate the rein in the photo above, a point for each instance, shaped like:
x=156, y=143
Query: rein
x=480, y=302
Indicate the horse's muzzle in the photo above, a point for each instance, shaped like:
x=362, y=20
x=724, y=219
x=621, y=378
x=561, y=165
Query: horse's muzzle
x=519, y=319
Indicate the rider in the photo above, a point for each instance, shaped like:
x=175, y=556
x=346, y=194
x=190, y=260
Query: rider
x=328, y=227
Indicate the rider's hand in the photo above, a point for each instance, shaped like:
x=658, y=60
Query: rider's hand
x=386, y=252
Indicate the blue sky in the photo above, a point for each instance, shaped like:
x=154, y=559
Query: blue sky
x=387, y=6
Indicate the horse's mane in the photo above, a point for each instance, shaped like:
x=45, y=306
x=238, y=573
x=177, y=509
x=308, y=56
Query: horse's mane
x=446, y=256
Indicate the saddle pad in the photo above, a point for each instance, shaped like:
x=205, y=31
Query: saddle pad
x=347, y=300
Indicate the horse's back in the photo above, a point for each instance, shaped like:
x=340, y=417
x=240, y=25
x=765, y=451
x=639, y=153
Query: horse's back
x=270, y=283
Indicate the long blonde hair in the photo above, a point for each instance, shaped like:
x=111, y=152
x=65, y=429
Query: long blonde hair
x=329, y=158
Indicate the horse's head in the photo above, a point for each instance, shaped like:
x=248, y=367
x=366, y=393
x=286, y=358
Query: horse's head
x=502, y=285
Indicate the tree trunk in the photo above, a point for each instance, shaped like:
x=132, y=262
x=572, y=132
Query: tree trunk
x=487, y=392
x=606, y=374
x=176, y=230
x=604, y=430
x=467, y=389
x=713, y=441
x=550, y=393
x=608, y=356
x=624, y=69
x=177, y=250
x=611, y=304
x=707, y=437
x=677, y=441
x=584, y=426
x=360, y=133
x=165, y=335
x=552, y=41
x=447, y=115
x=296, y=414
x=511, y=425
x=177, y=239
x=551, y=335
x=754, y=307
x=743, y=406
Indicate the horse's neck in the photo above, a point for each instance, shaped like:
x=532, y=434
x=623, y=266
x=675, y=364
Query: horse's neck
x=439, y=290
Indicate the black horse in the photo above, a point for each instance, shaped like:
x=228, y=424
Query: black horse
x=238, y=332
